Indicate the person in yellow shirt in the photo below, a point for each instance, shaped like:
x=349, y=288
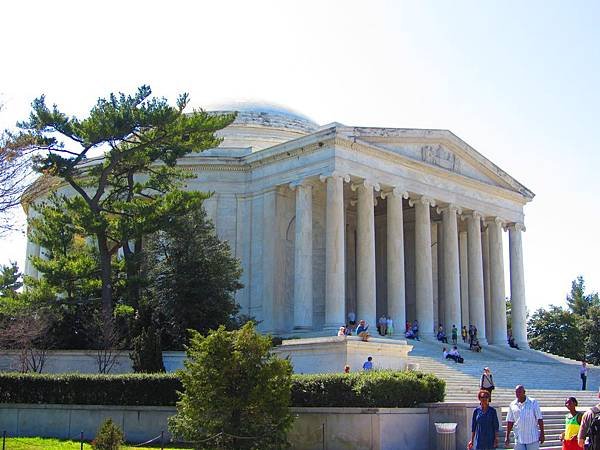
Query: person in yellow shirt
x=572, y=424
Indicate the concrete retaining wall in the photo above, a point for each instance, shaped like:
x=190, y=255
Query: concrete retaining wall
x=84, y=361
x=313, y=429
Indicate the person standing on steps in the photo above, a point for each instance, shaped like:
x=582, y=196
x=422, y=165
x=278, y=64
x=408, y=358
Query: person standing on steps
x=464, y=334
x=487, y=381
x=572, y=425
x=454, y=335
x=525, y=420
x=485, y=427
x=583, y=372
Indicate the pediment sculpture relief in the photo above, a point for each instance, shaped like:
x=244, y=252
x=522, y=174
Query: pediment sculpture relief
x=439, y=156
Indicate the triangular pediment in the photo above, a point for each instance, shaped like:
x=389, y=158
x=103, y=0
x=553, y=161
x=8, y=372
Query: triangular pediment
x=440, y=149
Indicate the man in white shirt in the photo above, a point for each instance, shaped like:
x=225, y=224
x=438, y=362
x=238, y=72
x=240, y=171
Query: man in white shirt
x=525, y=419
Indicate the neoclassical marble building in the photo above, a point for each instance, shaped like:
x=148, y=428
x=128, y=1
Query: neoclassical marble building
x=334, y=219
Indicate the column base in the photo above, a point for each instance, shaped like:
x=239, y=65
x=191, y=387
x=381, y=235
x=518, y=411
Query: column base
x=334, y=327
x=302, y=329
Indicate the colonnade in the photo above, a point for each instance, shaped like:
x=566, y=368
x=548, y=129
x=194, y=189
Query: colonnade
x=462, y=267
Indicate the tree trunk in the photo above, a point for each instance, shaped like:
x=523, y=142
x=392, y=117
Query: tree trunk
x=106, y=277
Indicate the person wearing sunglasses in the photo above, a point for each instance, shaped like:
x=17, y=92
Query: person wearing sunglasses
x=485, y=427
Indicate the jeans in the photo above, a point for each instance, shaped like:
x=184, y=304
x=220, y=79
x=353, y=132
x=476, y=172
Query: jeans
x=583, y=382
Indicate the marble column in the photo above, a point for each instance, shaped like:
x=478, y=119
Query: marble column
x=517, y=285
x=396, y=289
x=366, y=299
x=335, y=274
x=464, y=278
x=485, y=246
x=475, y=263
x=497, y=293
x=451, y=268
x=33, y=250
x=303, y=259
x=423, y=265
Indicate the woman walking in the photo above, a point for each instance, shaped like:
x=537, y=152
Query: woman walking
x=487, y=381
x=484, y=425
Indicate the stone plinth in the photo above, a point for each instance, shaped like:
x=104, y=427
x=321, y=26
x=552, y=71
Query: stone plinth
x=331, y=354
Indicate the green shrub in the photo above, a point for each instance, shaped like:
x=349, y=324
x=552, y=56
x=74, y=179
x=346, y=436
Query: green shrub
x=147, y=353
x=360, y=389
x=237, y=393
x=109, y=437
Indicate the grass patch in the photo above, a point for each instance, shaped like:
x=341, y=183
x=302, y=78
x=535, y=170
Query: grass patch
x=57, y=444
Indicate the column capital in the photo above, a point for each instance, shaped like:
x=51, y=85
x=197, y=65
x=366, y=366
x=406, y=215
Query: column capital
x=495, y=220
x=474, y=214
x=305, y=183
x=449, y=207
x=367, y=184
x=516, y=226
x=396, y=191
x=424, y=199
x=334, y=174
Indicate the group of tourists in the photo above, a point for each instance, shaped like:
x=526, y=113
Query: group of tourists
x=525, y=420
x=411, y=330
x=385, y=327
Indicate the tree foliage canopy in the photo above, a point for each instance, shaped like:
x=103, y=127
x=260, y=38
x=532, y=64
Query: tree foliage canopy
x=578, y=301
x=132, y=189
x=573, y=332
x=556, y=331
x=192, y=278
x=236, y=393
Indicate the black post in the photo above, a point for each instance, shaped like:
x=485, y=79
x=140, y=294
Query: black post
x=323, y=436
x=4, y=440
x=162, y=440
x=81, y=440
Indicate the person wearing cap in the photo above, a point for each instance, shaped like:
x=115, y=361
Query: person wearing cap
x=485, y=426
x=525, y=419
x=572, y=425
x=487, y=381
x=342, y=331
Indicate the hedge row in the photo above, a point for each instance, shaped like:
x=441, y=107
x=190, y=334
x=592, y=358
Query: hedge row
x=372, y=389
x=383, y=389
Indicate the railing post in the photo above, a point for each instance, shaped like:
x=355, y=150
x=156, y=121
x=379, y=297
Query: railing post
x=4, y=440
x=162, y=440
x=81, y=440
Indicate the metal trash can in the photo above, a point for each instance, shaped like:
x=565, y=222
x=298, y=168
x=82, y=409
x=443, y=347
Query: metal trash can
x=445, y=436
x=412, y=366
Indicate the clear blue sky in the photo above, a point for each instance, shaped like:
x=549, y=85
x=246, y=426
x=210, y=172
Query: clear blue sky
x=519, y=81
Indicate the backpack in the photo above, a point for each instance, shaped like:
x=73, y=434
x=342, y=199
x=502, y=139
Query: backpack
x=594, y=431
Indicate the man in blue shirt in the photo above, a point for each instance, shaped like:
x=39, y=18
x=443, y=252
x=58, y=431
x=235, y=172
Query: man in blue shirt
x=368, y=365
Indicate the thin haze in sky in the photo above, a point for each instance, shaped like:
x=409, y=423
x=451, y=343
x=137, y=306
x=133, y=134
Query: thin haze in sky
x=516, y=80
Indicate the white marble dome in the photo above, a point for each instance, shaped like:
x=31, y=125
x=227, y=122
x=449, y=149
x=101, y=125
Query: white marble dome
x=262, y=125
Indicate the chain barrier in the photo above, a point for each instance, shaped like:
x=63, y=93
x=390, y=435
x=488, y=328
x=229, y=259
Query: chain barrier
x=154, y=439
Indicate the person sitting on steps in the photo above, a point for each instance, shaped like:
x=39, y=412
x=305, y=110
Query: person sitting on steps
x=362, y=330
